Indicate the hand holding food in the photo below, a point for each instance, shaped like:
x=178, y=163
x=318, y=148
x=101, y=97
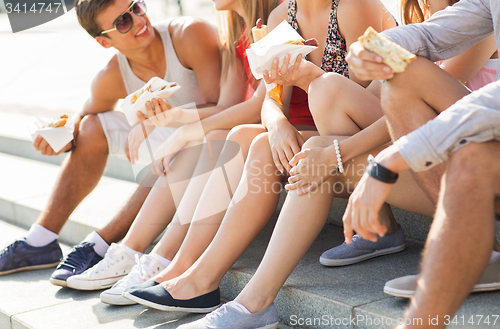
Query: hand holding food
x=136, y=102
x=278, y=43
x=52, y=137
x=392, y=54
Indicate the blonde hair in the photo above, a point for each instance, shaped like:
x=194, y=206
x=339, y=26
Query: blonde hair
x=232, y=26
x=415, y=11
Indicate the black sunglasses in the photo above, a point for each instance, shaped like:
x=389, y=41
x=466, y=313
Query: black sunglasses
x=124, y=22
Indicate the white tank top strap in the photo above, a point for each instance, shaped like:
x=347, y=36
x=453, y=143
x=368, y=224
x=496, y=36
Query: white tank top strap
x=186, y=78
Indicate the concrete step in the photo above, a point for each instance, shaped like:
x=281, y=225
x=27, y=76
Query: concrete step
x=15, y=139
x=26, y=187
x=313, y=297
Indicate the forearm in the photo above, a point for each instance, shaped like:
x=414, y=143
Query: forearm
x=474, y=118
x=447, y=33
x=271, y=113
x=366, y=140
x=243, y=113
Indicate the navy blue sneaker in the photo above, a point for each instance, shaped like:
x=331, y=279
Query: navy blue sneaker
x=79, y=259
x=20, y=256
x=156, y=296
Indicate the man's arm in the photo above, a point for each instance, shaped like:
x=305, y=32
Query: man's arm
x=447, y=33
x=198, y=48
x=107, y=87
x=474, y=118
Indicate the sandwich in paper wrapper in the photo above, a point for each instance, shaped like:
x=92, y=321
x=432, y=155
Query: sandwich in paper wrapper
x=135, y=102
x=58, y=132
x=279, y=42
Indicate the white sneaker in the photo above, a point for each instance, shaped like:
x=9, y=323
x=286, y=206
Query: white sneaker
x=147, y=266
x=115, y=265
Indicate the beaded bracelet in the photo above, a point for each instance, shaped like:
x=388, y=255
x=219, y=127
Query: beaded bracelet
x=340, y=166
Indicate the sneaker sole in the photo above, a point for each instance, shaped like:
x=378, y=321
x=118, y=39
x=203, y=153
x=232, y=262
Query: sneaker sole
x=115, y=300
x=483, y=287
x=168, y=308
x=30, y=268
x=60, y=283
x=270, y=326
x=92, y=285
x=354, y=260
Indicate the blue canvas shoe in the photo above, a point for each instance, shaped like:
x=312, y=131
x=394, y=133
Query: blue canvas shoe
x=227, y=317
x=156, y=296
x=20, y=256
x=79, y=259
x=361, y=249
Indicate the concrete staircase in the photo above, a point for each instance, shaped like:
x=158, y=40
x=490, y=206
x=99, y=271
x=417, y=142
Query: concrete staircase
x=313, y=297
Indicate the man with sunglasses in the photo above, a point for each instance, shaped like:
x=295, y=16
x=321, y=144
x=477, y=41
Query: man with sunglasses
x=184, y=50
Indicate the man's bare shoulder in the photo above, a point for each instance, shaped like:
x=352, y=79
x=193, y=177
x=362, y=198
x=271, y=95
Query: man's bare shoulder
x=193, y=37
x=108, y=82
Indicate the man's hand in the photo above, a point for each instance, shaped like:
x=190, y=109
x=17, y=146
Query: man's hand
x=361, y=214
x=41, y=145
x=367, y=65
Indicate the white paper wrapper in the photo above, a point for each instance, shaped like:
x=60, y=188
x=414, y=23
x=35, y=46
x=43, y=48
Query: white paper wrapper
x=56, y=137
x=262, y=53
x=131, y=110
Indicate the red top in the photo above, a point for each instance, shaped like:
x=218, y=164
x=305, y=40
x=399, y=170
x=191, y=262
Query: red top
x=241, y=47
x=298, y=112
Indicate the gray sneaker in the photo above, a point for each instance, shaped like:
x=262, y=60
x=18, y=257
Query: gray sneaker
x=405, y=286
x=229, y=318
x=361, y=249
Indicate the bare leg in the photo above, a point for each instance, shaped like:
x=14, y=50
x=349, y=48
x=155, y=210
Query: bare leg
x=243, y=222
x=300, y=221
x=459, y=243
x=80, y=173
x=204, y=227
x=159, y=208
x=414, y=97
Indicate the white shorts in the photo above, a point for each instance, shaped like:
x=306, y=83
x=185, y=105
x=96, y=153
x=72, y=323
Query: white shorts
x=116, y=128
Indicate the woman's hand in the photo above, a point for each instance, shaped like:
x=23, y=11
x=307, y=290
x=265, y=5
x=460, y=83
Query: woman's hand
x=160, y=113
x=135, y=138
x=311, y=167
x=176, y=142
x=361, y=214
x=367, y=65
x=300, y=74
x=285, y=142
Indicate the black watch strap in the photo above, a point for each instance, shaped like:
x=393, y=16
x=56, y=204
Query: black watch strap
x=381, y=173
x=72, y=146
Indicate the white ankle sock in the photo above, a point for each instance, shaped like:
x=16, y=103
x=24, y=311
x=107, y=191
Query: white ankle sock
x=100, y=245
x=163, y=261
x=238, y=306
x=130, y=252
x=494, y=255
x=39, y=236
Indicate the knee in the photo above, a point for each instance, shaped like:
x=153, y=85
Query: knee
x=242, y=133
x=217, y=135
x=316, y=141
x=260, y=149
x=323, y=92
x=90, y=131
x=469, y=165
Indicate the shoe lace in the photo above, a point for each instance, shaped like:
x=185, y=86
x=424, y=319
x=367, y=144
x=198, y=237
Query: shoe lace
x=109, y=259
x=217, y=313
x=140, y=273
x=76, y=258
x=10, y=248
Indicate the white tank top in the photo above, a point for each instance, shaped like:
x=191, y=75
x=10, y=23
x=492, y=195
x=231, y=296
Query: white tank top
x=186, y=78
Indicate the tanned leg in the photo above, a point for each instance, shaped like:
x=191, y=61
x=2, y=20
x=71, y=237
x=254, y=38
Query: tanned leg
x=80, y=173
x=459, y=243
x=412, y=98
